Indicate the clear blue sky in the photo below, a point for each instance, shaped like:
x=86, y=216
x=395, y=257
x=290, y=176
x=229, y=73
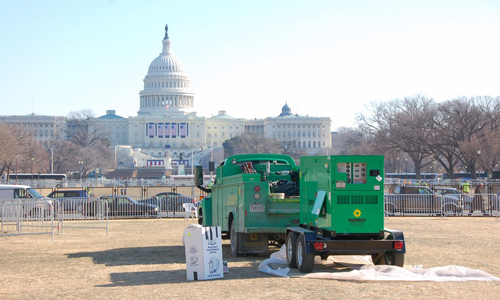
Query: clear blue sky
x=325, y=58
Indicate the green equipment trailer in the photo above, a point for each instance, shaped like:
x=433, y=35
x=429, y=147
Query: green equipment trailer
x=252, y=200
x=342, y=212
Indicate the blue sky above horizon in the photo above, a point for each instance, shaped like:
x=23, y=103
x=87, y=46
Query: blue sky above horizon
x=323, y=58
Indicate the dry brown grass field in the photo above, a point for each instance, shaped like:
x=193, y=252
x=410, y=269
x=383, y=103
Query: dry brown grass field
x=145, y=259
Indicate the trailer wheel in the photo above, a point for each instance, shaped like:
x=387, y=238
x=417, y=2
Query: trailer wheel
x=394, y=259
x=235, y=243
x=389, y=258
x=305, y=262
x=291, y=251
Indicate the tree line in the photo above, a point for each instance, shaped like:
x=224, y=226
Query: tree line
x=462, y=133
x=415, y=133
x=83, y=146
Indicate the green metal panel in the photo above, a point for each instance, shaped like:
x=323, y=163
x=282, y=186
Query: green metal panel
x=354, y=193
x=253, y=211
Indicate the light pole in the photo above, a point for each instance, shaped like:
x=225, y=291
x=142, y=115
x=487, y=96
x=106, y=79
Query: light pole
x=16, y=168
x=397, y=159
x=478, y=159
x=32, y=161
x=406, y=160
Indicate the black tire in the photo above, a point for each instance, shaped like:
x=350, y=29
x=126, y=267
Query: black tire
x=389, y=258
x=305, y=262
x=291, y=253
x=394, y=259
x=376, y=258
x=235, y=241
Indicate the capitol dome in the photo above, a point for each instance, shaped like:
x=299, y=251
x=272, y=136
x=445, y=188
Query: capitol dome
x=166, y=85
x=166, y=63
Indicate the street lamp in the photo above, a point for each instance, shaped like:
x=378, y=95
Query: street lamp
x=406, y=160
x=478, y=159
x=397, y=159
x=32, y=161
x=16, y=168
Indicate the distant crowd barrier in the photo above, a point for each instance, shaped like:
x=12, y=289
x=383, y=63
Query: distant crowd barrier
x=437, y=205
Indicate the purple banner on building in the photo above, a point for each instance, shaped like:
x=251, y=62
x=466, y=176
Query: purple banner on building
x=167, y=130
x=173, y=130
x=160, y=130
x=151, y=130
x=183, y=130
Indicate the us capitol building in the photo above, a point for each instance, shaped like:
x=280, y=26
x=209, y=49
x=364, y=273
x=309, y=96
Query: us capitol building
x=167, y=131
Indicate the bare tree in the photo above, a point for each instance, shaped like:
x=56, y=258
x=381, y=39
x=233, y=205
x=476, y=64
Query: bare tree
x=289, y=147
x=346, y=140
x=21, y=151
x=65, y=155
x=83, y=130
x=402, y=125
x=467, y=125
x=250, y=143
x=92, y=142
x=99, y=156
x=8, y=147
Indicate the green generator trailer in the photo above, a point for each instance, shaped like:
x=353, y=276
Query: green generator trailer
x=342, y=212
x=252, y=200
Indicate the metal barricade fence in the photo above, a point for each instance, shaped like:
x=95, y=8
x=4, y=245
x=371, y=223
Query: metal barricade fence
x=121, y=206
x=26, y=217
x=413, y=204
x=438, y=205
x=485, y=205
x=170, y=205
x=82, y=213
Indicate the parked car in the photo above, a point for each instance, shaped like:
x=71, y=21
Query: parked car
x=169, y=201
x=415, y=199
x=30, y=202
x=70, y=200
x=122, y=206
x=463, y=201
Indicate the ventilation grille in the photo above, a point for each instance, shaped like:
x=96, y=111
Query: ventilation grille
x=371, y=200
x=357, y=199
x=343, y=200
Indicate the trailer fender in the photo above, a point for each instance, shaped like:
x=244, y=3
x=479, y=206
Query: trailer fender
x=396, y=235
x=309, y=235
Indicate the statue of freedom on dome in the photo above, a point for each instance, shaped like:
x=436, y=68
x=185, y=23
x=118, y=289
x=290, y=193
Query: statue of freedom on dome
x=166, y=32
